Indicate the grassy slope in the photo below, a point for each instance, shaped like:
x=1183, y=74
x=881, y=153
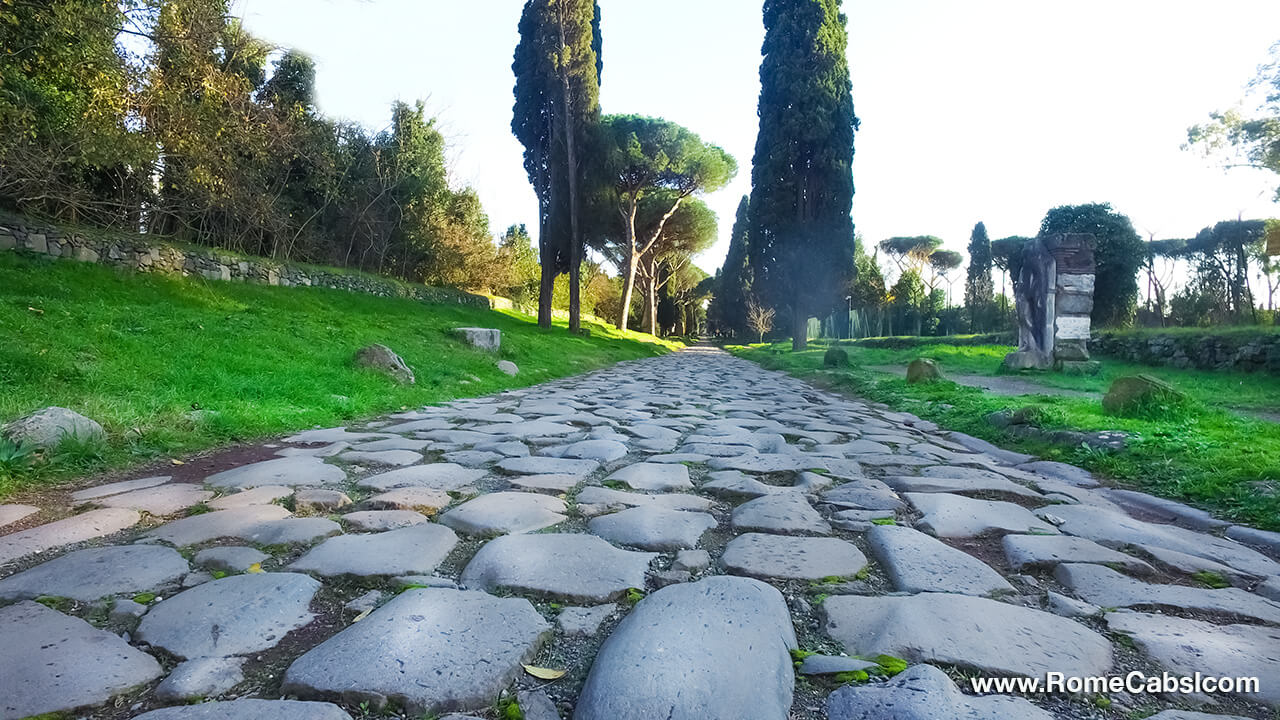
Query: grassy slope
x=1211, y=457
x=138, y=353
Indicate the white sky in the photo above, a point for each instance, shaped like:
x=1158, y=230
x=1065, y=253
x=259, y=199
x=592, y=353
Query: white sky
x=992, y=110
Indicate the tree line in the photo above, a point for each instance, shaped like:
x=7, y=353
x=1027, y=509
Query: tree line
x=168, y=117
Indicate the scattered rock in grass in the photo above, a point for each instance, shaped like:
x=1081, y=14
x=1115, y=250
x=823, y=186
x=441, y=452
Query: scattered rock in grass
x=923, y=370
x=46, y=428
x=385, y=360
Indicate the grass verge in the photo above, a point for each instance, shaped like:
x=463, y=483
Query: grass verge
x=177, y=365
x=1208, y=455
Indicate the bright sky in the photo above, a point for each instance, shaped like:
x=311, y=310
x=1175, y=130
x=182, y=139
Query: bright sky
x=992, y=110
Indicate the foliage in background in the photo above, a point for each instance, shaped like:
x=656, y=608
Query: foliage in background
x=1118, y=254
x=1248, y=138
x=801, y=234
x=979, y=288
x=556, y=115
x=245, y=160
x=728, y=312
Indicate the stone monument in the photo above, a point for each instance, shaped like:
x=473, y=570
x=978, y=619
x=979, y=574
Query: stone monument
x=1054, y=296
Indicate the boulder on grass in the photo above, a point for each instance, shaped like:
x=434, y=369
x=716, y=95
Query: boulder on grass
x=480, y=338
x=508, y=367
x=835, y=357
x=383, y=359
x=923, y=370
x=46, y=428
x=1134, y=393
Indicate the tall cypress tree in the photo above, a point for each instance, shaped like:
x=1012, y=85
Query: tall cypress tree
x=979, y=288
x=802, y=177
x=734, y=284
x=557, y=107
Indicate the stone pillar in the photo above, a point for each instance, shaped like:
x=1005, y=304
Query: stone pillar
x=1073, y=255
x=1054, y=292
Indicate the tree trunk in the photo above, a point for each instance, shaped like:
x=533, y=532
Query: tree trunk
x=630, y=259
x=799, y=329
x=653, y=298
x=575, y=237
x=548, y=283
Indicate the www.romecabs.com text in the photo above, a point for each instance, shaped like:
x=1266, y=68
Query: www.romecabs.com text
x=1135, y=682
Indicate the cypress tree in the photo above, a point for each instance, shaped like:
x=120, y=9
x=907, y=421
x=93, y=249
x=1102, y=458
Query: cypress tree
x=979, y=288
x=557, y=106
x=802, y=178
x=734, y=285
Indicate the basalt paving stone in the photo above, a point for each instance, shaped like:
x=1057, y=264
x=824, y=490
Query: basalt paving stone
x=93, y=573
x=10, y=514
x=1187, y=647
x=916, y=562
x=788, y=513
x=1105, y=587
x=322, y=451
x=539, y=465
x=576, y=568
x=602, y=450
x=414, y=550
x=767, y=556
x=427, y=651
x=596, y=495
x=736, y=485
x=959, y=485
x=381, y=457
x=290, y=471
x=551, y=484
x=1116, y=529
x=421, y=499
x=201, y=678
x=508, y=448
x=261, y=524
x=1061, y=471
x=436, y=476
x=864, y=494
x=77, y=528
x=1031, y=551
x=53, y=663
x=1265, y=540
x=229, y=558
x=955, y=516
x=236, y=615
x=650, y=528
x=660, y=477
x=716, y=649
x=584, y=621
x=505, y=512
x=117, y=488
x=261, y=495
x=1163, y=509
x=396, y=443
x=250, y=709
x=379, y=520
x=969, y=632
x=767, y=463
x=471, y=458
x=1190, y=565
x=159, y=500
x=924, y=692
x=332, y=435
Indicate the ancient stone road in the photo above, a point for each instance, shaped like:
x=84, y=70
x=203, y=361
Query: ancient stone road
x=686, y=537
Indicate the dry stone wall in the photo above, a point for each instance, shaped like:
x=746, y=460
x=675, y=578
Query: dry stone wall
x=142, y=253
x=1204, y=351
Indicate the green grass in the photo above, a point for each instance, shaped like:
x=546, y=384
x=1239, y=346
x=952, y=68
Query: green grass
x=1208, y=456
x=141, y=353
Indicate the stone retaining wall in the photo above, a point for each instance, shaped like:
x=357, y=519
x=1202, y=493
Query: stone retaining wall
x=1250, y=352
x=146, y=254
